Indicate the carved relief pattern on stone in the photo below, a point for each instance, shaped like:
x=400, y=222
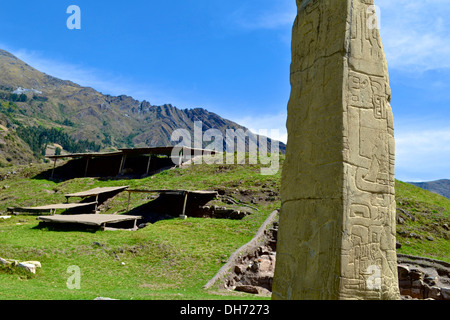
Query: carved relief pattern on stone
x=370, y=214
x=337, y=221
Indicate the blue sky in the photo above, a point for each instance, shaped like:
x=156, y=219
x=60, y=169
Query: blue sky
x=232, y=57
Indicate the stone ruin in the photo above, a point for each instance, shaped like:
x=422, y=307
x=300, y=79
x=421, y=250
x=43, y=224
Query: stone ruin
x=337, y=232
x=419, y=278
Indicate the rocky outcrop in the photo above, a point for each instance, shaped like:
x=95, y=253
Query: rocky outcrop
x=28, y=266
x=253, y=273
x=220, y=212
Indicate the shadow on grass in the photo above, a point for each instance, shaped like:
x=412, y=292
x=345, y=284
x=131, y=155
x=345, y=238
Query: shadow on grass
x=106, y=168
x=65, y=227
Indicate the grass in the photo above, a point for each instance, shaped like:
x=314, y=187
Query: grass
x=171, y=259
x=425, y=214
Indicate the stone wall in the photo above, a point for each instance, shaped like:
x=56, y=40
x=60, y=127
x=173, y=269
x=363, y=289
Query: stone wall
x=419, y=278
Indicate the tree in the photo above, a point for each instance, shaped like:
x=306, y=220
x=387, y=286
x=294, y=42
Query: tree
x=23, y=98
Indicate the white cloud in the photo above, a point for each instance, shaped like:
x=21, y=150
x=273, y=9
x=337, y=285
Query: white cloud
x=416, y=39
x=273, y=124
x=278, y=15
x=422, y=153
x=416, y=34
x=422, y=146
x=272, y=20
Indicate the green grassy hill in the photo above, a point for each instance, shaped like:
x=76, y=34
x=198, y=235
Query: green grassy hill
x=171, y=259
x=423, y=223
x=13, y=150
x=441, y=187
x=40, y=109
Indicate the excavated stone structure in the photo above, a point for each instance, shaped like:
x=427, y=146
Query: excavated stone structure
x=337, y=222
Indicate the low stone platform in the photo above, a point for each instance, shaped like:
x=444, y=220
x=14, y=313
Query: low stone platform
x=101, y=221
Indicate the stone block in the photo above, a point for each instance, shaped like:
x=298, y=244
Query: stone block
x=337, y=233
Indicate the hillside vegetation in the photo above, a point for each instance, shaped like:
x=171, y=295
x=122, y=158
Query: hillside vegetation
x=441, y=187
x=423, y=220
x=38, y=109
x=170, y=259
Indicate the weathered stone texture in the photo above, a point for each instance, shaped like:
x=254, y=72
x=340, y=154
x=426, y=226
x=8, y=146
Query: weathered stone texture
x=337, y=222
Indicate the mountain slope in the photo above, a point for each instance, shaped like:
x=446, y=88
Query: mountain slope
x=13, y=150
x=441, y=187
x=32, y=98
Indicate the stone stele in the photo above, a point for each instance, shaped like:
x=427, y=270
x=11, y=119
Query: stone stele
x=337, y=233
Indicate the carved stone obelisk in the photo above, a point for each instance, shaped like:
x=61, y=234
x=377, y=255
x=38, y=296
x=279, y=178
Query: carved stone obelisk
x=337, y=236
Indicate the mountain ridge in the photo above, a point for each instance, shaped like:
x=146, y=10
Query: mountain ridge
x=441, y=186
x=31, y=98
